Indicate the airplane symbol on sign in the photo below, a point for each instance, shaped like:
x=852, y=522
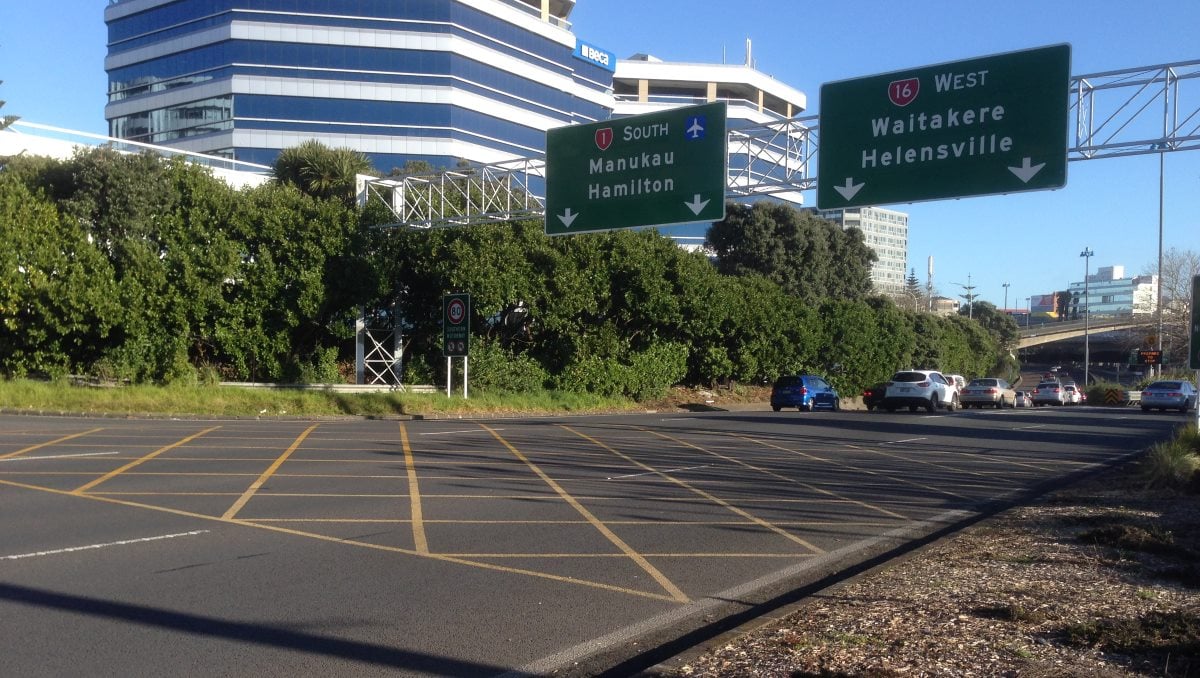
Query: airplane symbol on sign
x=695, y=128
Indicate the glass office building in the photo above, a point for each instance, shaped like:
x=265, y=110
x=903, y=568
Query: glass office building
x=440, y=81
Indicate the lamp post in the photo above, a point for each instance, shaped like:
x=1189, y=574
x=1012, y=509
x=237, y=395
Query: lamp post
x=1087, y=320
x=1158, y=301
x=969, y=296
x=1028, y=310
x=1005, y=286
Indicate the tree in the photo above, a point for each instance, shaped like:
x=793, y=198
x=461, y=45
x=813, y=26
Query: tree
x=1178, y=269
x=322, y=172
x=1001, y=326
x=6, y=120
x=808, y=257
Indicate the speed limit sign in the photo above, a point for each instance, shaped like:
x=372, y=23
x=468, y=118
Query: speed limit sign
x=456, y=325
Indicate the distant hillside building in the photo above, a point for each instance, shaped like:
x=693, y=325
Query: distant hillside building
x=886, y=232
x=944, y=306
x=1109, y=292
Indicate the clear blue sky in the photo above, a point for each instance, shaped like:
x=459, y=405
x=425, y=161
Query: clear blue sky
x=52, y=65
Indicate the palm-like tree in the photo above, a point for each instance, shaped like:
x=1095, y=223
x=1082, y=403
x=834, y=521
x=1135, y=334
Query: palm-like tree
x=322, y=172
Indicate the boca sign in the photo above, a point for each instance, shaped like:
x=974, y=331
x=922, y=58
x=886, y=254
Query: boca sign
x=594, y=55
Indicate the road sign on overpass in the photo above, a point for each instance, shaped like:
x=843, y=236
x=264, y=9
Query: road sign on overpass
x=660, y=168
x=994, y=124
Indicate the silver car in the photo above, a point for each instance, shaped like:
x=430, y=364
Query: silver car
x=1049, y=393
x=1169, y=395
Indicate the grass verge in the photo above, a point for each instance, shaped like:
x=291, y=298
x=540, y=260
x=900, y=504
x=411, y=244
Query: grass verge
x=224, y=401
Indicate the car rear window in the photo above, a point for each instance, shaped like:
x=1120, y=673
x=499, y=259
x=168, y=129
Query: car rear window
x=787, y=382
x=984, y=382
x=1167, y=385
x=1049, y=384
x=909, y=376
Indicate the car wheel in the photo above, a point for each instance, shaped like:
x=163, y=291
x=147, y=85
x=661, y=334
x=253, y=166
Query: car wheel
x=999, y=405
x=1145, y=409
x=870, y=408
x=776, y=408
x=933, y=403
x=891, y=409
x=954, y=404
x=837, y=405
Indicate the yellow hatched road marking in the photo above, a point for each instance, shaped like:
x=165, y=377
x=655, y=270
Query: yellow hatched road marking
x=31, y=448
x=414, y=494
x=84, y=488
x=716, y=500
x=676, y=594
x=336, y=540
x=237, y=505
x=834, y=494
x=784, y=478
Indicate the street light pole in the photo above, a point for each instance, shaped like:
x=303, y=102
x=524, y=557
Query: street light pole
x=1087, y=254
x=1158, y=302
x=1005, y=286
x=969, y=296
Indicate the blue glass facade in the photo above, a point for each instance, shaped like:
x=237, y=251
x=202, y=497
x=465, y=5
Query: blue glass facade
x=432, y=80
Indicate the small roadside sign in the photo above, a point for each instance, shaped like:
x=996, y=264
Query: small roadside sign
x=456, y=325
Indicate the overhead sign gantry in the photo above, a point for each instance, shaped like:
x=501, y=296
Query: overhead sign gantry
x=993, y=124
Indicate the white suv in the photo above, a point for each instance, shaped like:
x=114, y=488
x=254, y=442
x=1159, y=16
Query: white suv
x=920, y=388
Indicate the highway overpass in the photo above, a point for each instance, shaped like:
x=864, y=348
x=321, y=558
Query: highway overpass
x=1046, y=333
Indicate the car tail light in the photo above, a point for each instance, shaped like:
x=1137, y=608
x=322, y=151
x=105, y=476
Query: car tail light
x=992, y=391
x=924, y=384
x=803, y=390
x=1035, y=391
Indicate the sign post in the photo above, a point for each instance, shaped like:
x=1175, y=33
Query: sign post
x=655, y=169
x=983, y=126
x=1194, y=339
x=456, y=334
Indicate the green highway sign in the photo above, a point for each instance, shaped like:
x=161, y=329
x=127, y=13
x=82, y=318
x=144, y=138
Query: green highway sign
x=993, y=124
x=655, y=169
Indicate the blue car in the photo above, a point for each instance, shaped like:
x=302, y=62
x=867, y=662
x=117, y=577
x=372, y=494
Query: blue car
x=805, y=392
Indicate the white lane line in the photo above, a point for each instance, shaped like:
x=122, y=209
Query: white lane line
x=124, y=542
x=654, y=473
x=61, y=456
x=907, y=440
x=445, y=433
x=1021, y=428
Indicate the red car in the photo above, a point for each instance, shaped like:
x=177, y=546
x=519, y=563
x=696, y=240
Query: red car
x=873, y=396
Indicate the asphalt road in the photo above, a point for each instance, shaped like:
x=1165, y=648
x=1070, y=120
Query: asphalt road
x=479, y=548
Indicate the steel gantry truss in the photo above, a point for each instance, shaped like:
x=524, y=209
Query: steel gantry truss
x=1134, y=111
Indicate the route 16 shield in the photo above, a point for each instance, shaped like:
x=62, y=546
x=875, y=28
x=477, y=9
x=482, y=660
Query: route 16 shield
x=903, y=92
